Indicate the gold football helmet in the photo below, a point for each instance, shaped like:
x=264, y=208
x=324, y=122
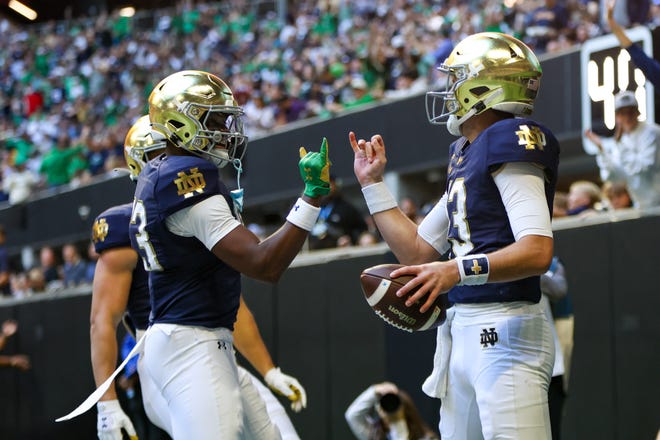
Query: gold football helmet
x=140, y=140
x=485, y=70
x=197, y=111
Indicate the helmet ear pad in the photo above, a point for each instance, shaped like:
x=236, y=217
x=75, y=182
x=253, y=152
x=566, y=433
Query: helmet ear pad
x=495, y=94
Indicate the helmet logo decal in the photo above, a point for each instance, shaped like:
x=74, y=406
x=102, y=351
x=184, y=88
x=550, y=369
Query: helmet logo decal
x=532, y=138
x=187, y=184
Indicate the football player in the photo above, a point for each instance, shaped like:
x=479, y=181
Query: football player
x=120, y=285
x=184, y=223
x=495, y=352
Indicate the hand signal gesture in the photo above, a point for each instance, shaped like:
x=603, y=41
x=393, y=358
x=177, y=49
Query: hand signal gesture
x=315, y=170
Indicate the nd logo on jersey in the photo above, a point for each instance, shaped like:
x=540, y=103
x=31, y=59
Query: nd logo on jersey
x=186, y=184
x=99, y=230
x=531, y=138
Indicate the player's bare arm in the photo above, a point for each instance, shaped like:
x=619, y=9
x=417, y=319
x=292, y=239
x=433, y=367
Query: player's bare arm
x=248, y=341
x=396, y=228
x=112, y=282
x=268, y=259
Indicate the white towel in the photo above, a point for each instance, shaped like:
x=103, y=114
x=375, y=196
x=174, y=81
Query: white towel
x=100, y=391
x=436, y=384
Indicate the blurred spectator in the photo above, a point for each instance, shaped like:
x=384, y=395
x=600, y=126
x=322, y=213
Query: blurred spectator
x=62, y=162
x=5, y=285
x=49, y=268
x=337, y=218
x=19, y=361
x=20, y=285
x=617, y=196
x=648, y=65
x=92, y=258
x=560, y=204
x=410, y=209
x=583, y=197
x=544, y=24
x=19, y=182
x=633, y=154
x=383, y=411
x=367, y=238
x=74, y=270
x=36, y=280
x=344, y=241
x=357, y=94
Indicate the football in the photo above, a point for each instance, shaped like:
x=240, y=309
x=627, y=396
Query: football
x=380, y=292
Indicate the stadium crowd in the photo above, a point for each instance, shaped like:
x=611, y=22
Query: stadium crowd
x=70, y=90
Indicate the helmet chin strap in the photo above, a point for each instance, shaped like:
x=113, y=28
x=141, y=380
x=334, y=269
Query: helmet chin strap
x=237, y=194
x=454, y=124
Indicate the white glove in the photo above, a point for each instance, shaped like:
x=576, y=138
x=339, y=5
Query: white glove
x=287, y=386
x=111, y=420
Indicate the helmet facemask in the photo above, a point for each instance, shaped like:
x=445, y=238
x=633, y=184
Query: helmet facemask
x=220, y=136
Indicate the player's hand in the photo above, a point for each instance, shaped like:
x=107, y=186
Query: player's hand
x=315, y=170
x=369, y=162
x=287, y=386
x=111, y=420
x=433, y=279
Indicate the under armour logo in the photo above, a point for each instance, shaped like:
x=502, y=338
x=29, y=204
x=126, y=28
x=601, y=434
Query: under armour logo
x=488, y=337
x=222, y=345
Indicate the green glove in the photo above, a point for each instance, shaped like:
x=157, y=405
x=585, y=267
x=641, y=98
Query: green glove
x=315, y=170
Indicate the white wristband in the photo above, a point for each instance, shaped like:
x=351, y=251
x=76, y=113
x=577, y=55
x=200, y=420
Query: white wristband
x=474, y=269
x=303, y=215
x=378, y=197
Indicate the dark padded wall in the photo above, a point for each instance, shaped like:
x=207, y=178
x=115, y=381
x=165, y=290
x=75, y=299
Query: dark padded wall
x=55, y=334
x=585, y=253
x=614, y=375
x=636, y=327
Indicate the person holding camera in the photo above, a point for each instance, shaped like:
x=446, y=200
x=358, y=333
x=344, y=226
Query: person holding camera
x=383, y=411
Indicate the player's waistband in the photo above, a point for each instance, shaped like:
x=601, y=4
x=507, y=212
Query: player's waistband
x=494, y=310
x=201, y=332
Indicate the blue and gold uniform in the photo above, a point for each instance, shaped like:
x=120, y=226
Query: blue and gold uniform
x=478, y=220
x=189, y=284
x=110, y=231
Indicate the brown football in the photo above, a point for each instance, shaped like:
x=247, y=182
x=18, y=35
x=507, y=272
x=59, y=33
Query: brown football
x=380, y=292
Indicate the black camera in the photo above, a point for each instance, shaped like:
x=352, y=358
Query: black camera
x=390, y=402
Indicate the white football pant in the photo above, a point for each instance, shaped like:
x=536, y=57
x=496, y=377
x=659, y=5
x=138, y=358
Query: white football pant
x=499, y=372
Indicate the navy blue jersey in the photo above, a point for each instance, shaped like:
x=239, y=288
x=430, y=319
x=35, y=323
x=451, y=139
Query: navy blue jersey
x=111, y=231
x=478, y=219
x=189, y=285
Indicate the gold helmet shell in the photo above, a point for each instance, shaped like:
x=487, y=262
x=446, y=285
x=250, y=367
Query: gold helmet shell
x=196, y=111
x=140, y=140
x=486, y=70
